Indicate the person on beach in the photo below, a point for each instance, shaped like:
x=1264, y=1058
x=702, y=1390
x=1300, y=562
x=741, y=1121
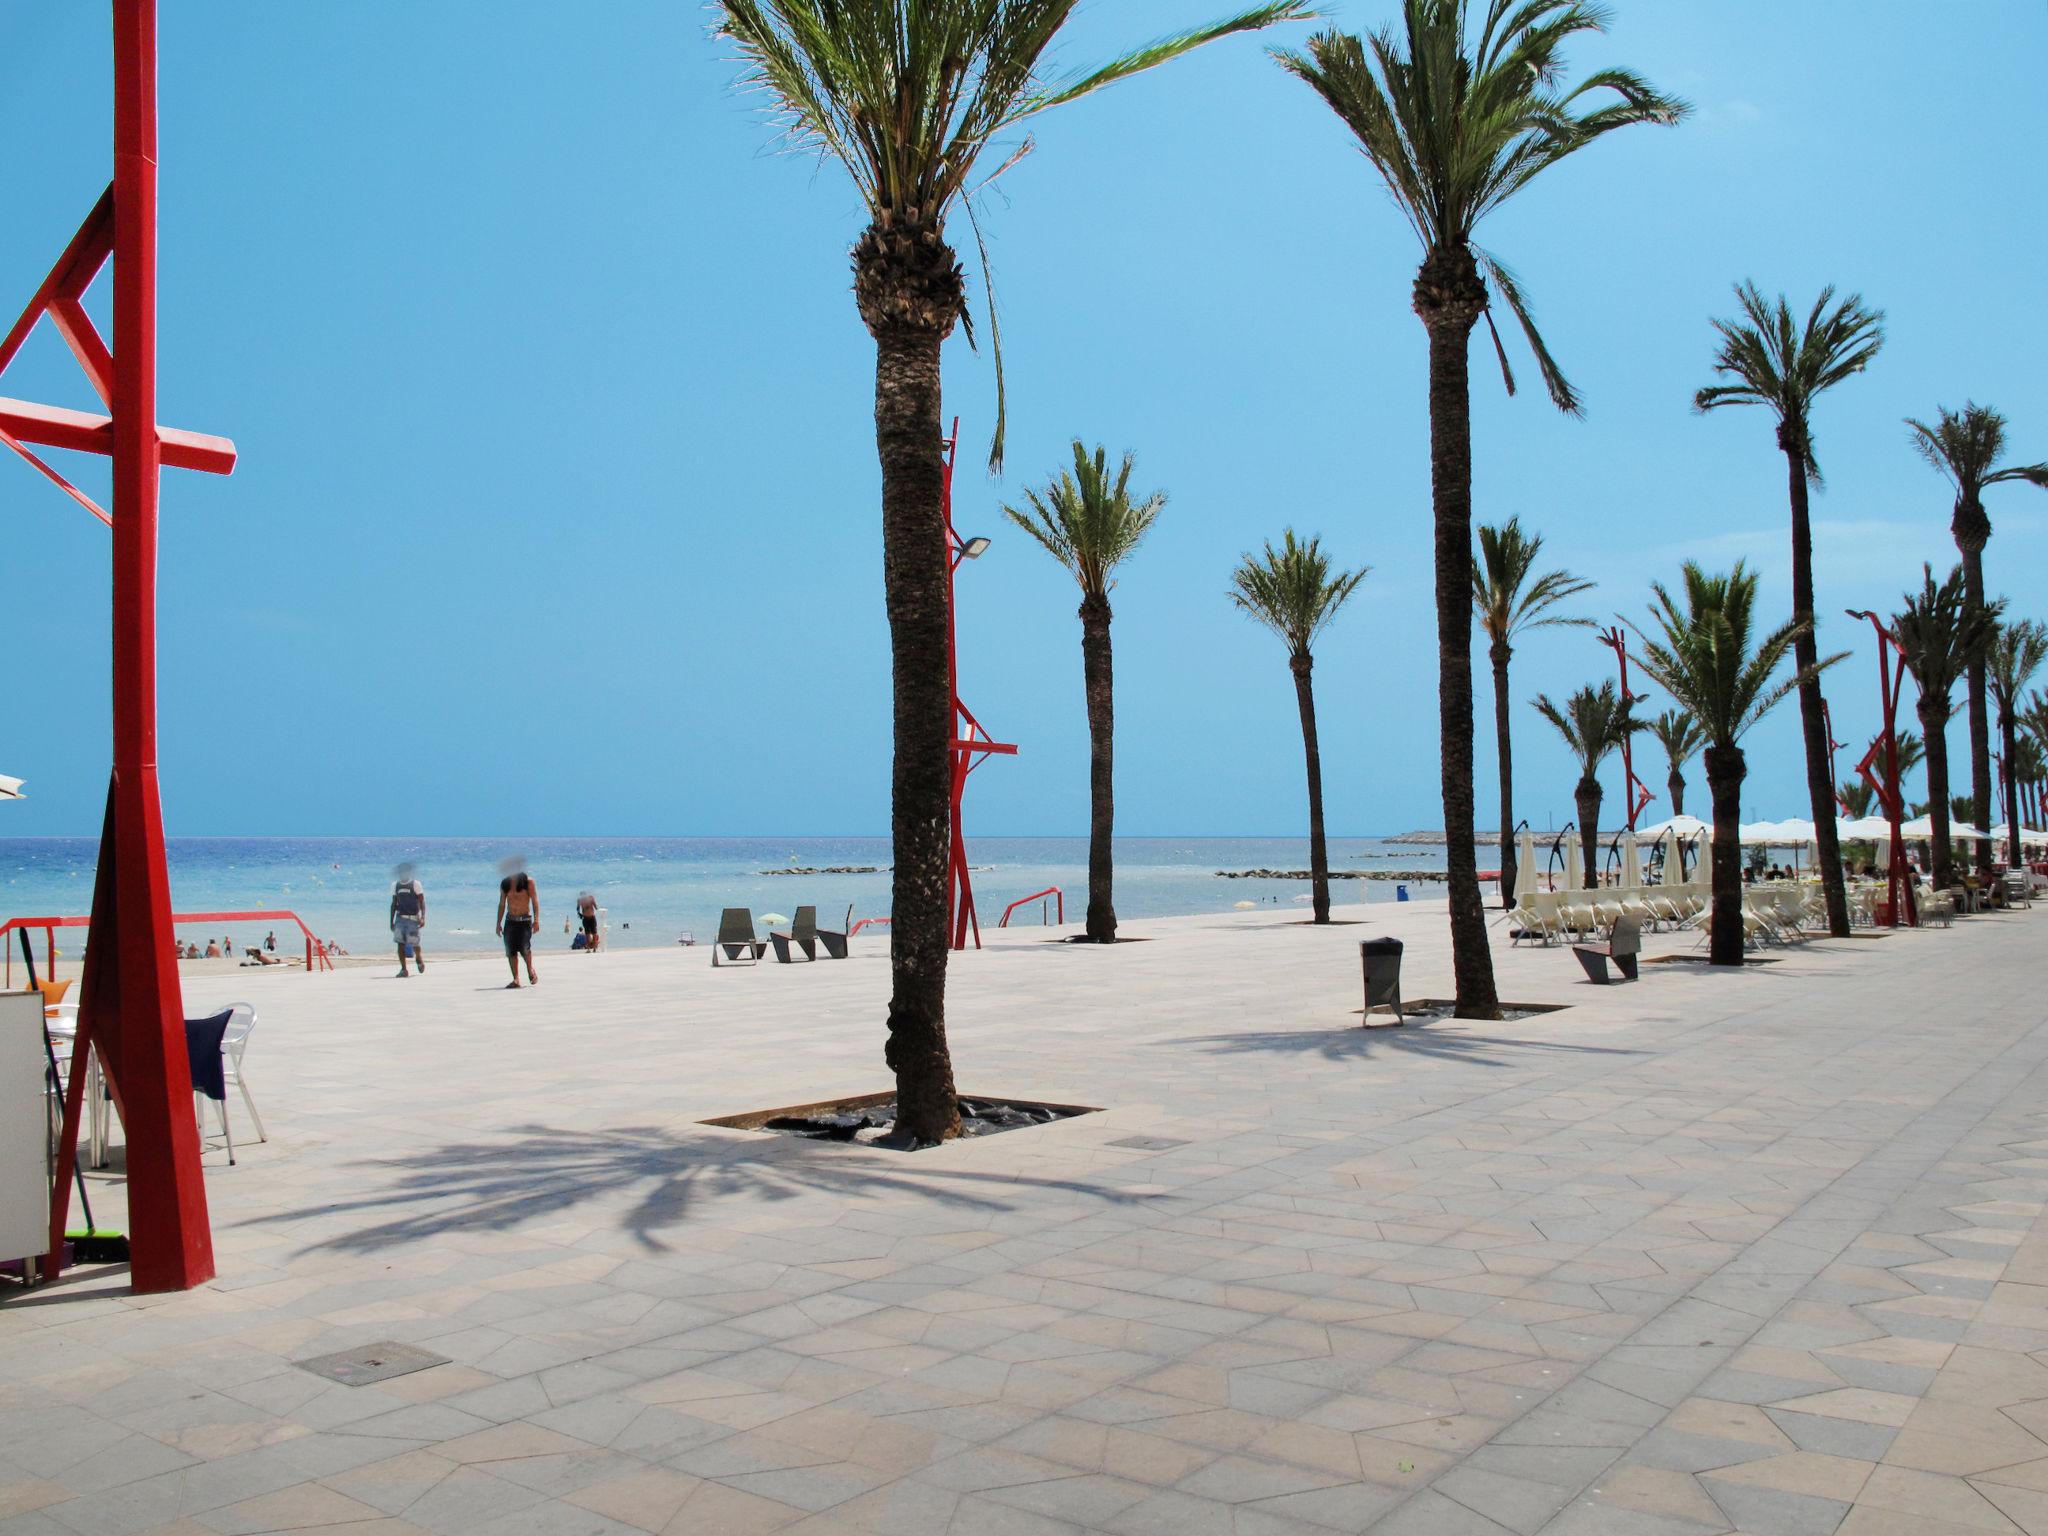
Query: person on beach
x=586, y=908
x=518, y=914
x=408, y=917
x=270, y=941
x=212, y=950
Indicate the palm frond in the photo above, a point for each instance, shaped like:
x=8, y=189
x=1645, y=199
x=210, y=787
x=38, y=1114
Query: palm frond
x=1292, y=590
x=1778, y=361
x=1504, y=598
x=1086, y=519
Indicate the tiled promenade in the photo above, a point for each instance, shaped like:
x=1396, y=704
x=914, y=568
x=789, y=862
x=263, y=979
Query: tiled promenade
x=1759, y=1252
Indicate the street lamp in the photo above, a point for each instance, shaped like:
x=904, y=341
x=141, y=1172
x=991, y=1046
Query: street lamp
x=1889, y=676
x=974, y=549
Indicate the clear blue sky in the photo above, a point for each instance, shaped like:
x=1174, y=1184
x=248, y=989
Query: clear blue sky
x=557, y=509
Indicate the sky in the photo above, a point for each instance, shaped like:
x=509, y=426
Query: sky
x=557, y=509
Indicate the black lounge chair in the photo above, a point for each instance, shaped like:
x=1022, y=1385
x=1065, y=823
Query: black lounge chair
x=736, y=941
x=803, y=935
x=835, y=943
x=1624, y=943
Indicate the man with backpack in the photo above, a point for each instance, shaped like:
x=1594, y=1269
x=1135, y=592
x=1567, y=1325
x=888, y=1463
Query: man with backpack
x=408, y=917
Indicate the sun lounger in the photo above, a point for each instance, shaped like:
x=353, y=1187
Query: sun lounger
x=1622, y=947
x=835, y=943
x=736, y=941
x=803, y=935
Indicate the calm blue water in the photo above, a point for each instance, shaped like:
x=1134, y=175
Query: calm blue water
x=655, y=888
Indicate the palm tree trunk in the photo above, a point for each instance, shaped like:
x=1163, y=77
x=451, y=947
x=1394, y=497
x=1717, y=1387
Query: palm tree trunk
x=1449, y=298
x=1318, y=849
x=1980, y=722
x=1726, y=770
x=1587, y=797
x=908, y=440
x=1503, y=744
x=1934, y=726
x=1097, y=677
x=2008, y=736
x=1676, y=785
x=1820, y=788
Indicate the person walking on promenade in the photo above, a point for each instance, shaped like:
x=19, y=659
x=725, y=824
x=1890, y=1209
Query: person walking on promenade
x=586, y=908
x=518, y=915
x=408, y=919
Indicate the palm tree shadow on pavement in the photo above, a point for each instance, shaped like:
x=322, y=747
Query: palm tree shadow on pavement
x=1355, y=1044
x=499, y=1185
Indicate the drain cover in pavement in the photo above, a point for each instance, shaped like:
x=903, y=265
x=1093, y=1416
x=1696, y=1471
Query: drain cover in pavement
x=1149, y=1143
x=371, y=1362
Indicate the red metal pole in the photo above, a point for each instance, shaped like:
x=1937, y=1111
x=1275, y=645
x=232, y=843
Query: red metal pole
x=143, y=1023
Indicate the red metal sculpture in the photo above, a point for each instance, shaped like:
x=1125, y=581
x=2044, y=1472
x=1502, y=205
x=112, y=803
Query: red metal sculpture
x=130, y=1008
x=972, y=745
x=1891, y=672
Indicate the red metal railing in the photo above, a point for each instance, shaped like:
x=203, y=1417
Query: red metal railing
x=1053, y=891
x=316, y=951
x=867, y=922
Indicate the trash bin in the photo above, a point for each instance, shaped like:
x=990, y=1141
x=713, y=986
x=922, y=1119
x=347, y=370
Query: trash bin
x=1382, y=961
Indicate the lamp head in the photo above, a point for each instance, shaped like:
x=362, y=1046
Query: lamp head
x=974, y=548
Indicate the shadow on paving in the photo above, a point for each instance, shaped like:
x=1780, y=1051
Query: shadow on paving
x=499, y=1185
x=1355, y=1044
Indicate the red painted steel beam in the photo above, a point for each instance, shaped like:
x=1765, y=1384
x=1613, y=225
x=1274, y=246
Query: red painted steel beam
x=70, y=277
x=53, y=426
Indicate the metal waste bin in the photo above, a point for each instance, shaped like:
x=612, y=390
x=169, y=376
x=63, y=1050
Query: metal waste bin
x=1382, y=962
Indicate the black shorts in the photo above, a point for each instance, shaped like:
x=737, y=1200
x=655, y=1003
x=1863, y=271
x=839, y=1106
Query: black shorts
x=590, y=924
x=519, y=937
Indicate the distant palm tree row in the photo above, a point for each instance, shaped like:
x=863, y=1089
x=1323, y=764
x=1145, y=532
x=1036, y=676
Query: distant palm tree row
x=1459, y=109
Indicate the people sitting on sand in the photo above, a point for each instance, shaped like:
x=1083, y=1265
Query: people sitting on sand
x=212, y=950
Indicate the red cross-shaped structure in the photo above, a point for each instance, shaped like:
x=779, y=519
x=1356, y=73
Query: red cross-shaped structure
x=130, y=1010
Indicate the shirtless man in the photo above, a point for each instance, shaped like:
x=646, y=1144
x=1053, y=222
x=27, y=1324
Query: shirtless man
x=518, y=915
x=586, y=908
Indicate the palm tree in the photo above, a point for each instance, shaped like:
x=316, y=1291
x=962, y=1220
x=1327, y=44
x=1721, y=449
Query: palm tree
x=2016, y=655
x=1088, y=522
x=1295, y=594
x=907, y=96
x=2030, y=767
x=1857, y=798
x=1456, y=126
x=1966, y=446
x=1508, y=602
x=1939, y=631
x=1593, y=723
x=1681, y=736
x=1707, y=657
x=1779, y=363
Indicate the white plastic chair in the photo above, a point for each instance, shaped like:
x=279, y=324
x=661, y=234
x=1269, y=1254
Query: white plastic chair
x=232, y=1046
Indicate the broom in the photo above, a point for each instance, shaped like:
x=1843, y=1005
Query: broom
x=91, y=1246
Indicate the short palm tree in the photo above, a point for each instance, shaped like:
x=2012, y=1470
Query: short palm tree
x=2030, y=768
x=1593, y=723
x=1087, y=520
x=2015, y=656
x=1857, y=798
x=1507, y=602
x=1681, y=736
x=1457, y=122
x=1293, y=592
x=1965, y=447
x=1708, y=657
x=908, y=95
x=1939, y=632
x=1785, y=365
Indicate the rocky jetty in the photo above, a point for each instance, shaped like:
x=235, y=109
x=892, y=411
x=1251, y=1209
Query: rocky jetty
x=1335, y=874
x=831, y=869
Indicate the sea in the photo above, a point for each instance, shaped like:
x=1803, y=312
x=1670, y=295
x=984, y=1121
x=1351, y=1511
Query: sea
x=657, y=890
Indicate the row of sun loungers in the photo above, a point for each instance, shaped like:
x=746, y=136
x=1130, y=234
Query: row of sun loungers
x=1776, y=913
x=737, y=945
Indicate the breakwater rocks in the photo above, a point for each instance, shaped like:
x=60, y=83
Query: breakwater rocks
x=1335, y=874
x=832, y=869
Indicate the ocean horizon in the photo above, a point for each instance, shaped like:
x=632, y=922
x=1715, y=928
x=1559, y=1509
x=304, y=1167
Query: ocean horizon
x=655, y=890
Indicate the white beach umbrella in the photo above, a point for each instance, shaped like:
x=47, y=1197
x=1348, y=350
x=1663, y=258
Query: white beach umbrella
x=1923, y=828
x=1631, y=860
x=10, y=789
x=1864, y=827
x=1764, y=832
x=1677, y=826
x=1796, y=833
x=1528, y=872
x=2030, y=837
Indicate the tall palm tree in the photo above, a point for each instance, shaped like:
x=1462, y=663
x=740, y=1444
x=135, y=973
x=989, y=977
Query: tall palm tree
x=1507, y=602
x=1939, y=632
x=1681, y=736
x=2016, y=655
x=1965, y=446
x=1708, y=657
x=1088, y=521
x=1294, y=593
x=1456, y=124
x=1786, y=366
x=1593, y=722
x=1857, y=798
x=907, y=96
